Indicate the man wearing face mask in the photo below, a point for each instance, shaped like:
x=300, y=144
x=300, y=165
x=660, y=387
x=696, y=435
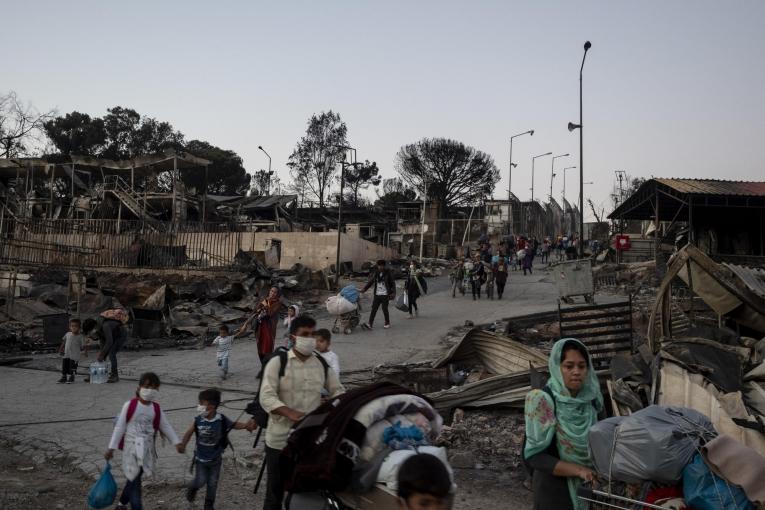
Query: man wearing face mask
x=290, y=397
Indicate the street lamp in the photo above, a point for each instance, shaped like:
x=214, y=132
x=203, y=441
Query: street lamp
x=564, y=180
x=571, y=127
x=270, y=173
x=532, y=171
x=343, y=164
x=552, y=171
x=422, y=223
x=510, y=169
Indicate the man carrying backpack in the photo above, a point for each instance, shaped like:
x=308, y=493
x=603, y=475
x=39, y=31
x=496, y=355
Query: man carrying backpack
x=289, y=392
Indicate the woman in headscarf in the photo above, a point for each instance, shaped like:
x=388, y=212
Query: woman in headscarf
x=267, y=313
x=558, y=420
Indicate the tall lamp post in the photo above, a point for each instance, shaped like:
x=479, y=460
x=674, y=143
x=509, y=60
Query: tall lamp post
x=343, y=164
x=532, y=171
x=571, y=127
x=270, y=173
x=422, y=223
x=564, y=180
x=510, y=168
x=552, y=170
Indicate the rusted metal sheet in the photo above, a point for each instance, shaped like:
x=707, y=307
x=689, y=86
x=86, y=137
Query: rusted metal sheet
x=678, y=387
x=499, y=354
x=721, y=287
x=500, y=390
x=605, y=329
x=715, y=187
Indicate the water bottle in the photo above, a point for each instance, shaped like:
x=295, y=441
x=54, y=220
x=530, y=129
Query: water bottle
x=93, y=373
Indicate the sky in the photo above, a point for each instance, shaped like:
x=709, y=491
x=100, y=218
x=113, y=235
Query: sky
x=671, y=88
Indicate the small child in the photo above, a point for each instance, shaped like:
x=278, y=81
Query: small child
x=211, y=429
x=323, y=342
x=292, y=312
x=424, y=483
x=71, y=346
x=224, y=341
x=135, y=433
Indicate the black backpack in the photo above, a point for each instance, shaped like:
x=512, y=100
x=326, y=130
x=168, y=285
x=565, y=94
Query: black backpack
x=254, y=408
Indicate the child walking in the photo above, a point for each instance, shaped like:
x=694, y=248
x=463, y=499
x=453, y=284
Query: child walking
x=211, y=429
x=225, y=341
x=292, y=312
x=71, y=346
x=135, y=434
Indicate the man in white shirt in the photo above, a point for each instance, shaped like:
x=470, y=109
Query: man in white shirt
x=290, y=397
x=384, y=290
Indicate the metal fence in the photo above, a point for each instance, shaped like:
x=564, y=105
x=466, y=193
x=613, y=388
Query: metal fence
x=73, y=244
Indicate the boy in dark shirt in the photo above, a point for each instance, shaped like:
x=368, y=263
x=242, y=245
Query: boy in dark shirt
x=211, y=429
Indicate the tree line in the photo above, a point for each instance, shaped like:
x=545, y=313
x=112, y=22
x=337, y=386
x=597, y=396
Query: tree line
x=444, y=170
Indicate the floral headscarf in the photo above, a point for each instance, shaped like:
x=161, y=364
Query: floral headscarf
x=568, y=419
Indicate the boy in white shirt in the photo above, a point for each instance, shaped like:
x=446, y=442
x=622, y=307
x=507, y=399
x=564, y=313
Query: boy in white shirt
x=323, y=342
x=225, y=341
x=71, y=345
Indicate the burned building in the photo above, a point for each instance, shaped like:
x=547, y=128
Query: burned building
x=725, y=219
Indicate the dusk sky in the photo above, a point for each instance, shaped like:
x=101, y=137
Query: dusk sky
x=673, y=89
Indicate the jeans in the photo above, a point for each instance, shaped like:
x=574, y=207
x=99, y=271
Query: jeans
x=476, y=284
x=115, y=335
x=412, y=304
x=207, y=473
x=68, y=367
x=377, y=302
x=274, y=483
x=132, y=493
x=223, y=364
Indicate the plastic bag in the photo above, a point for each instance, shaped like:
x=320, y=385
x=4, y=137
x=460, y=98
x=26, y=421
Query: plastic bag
x=402, y=302
x=351, y=293
x=338, y=305
x=103, y=493
x=703, y=490
x=653, y=444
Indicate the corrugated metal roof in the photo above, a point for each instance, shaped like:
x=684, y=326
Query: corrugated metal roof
x=715, y=187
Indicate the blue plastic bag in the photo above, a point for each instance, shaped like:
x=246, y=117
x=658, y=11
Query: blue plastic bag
x=103, y=493
x=351, y=293
x=703, y=490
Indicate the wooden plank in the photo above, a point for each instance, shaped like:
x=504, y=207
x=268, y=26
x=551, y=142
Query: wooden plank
x=585, y=327
x=601, y=341
x=583, y=317
x=592, y=334
x=595, y=307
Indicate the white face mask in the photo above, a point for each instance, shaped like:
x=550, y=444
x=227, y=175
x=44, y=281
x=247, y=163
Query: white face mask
x=148, y=394
x=305, y=345
x=201, y=409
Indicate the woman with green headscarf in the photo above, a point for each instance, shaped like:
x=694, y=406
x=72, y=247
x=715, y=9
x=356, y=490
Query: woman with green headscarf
x=558, y=420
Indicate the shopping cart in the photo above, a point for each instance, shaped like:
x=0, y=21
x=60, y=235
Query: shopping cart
x=347, y=322
x=600, y=499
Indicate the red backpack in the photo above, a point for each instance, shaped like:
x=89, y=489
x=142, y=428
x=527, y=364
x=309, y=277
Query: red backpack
x=131, y=411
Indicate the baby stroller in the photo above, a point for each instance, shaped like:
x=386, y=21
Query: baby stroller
x=347, y=322
x=346, y=307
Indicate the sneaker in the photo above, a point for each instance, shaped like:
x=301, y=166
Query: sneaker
x=387, y=326
x=70, y=380
x=62, y=380
x=366, y=326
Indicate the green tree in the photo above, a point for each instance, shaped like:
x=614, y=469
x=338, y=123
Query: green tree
x=76, y=133
x=225, y=176
x=359, y=177
x=394, y=191
x=455, y=174
x=313, y=163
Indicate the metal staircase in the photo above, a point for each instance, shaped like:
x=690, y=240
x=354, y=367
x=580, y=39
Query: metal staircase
x=119, y=188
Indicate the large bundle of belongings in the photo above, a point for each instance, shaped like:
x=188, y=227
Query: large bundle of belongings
x=349, y=449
